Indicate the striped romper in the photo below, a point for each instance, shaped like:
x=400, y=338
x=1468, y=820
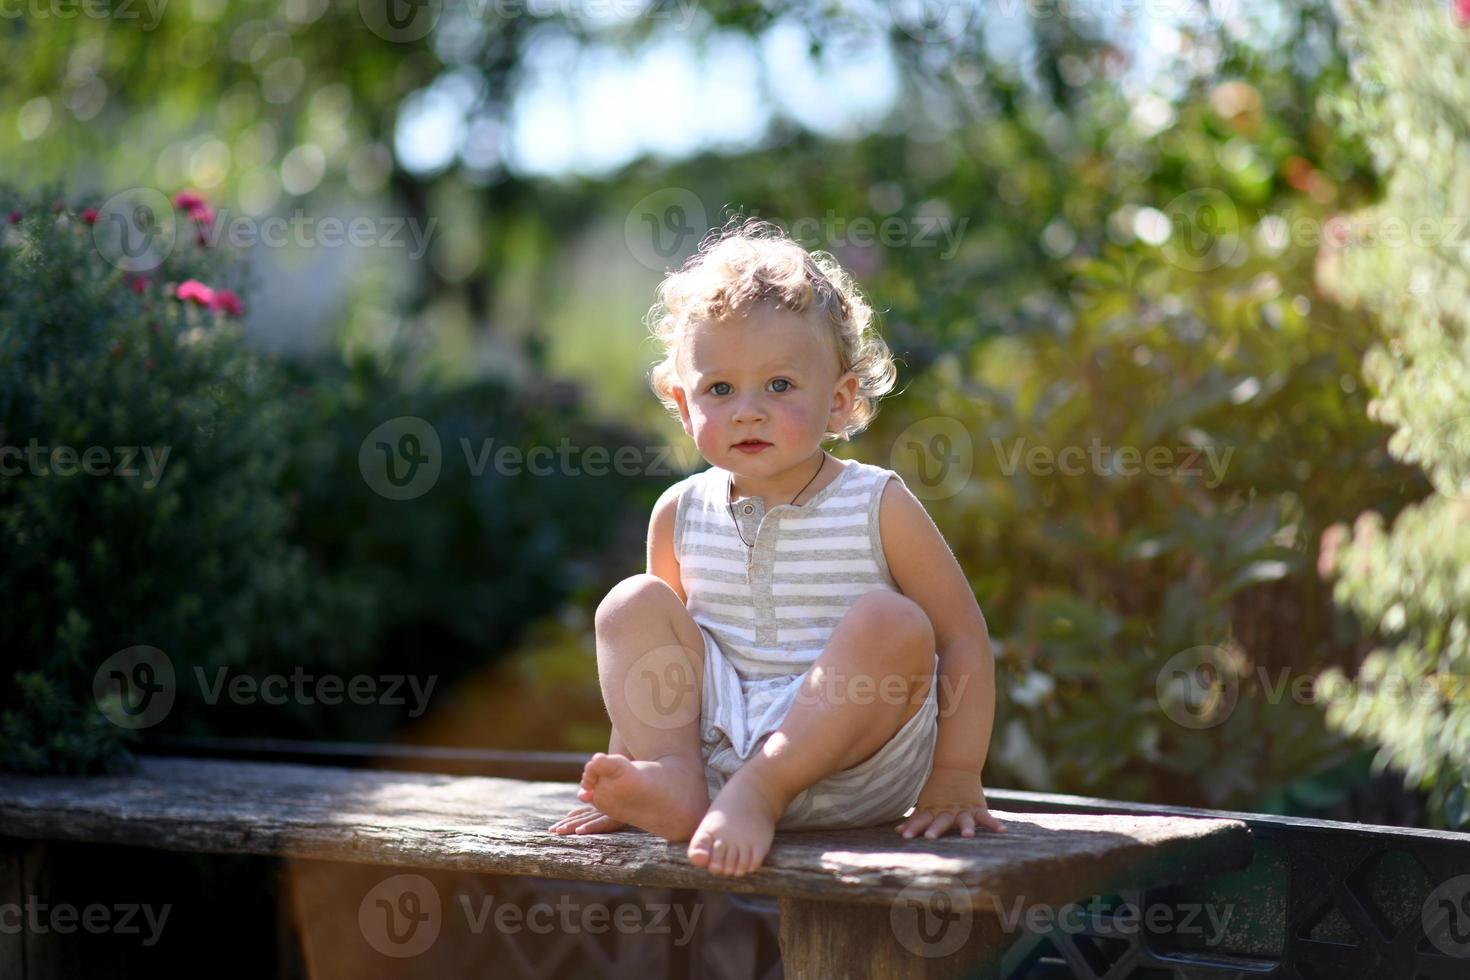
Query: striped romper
x=766, y=613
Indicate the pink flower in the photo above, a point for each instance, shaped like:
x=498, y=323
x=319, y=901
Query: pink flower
x=1462, y=11
x=226, y=300
x=195, y=290
x=15, y=217
x=89, y=215
x=138, y=283
x=188, y=201
x=203, y=214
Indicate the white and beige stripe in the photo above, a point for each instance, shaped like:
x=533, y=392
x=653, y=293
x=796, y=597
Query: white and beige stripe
x=767, y=612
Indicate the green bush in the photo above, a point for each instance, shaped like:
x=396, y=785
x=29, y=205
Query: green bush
x=1186, y=321
x=1411, y=697
x=260, y=546
x=187, y=556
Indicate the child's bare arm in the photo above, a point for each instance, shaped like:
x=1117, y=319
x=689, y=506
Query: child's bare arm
x=661, y=558
x=926, y=571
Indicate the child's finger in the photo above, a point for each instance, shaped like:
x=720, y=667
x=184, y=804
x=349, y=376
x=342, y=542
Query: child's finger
x=917, y=823
x=940, y=825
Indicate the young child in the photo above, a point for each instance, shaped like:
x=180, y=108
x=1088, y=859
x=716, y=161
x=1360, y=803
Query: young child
x=804, y=649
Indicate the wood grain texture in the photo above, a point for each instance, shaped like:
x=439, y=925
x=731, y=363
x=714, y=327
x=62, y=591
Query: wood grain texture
x=498, y=826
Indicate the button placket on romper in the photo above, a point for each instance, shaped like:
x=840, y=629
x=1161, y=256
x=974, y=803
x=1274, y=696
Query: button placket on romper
x=752, y=514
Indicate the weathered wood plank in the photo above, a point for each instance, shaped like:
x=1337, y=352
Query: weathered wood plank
x=499, y=826
x=31, y=948
x=831, y=941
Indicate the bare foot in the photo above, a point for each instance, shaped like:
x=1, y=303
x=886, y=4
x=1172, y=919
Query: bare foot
x=735, y=835
x=586, y=820
x=665, y=796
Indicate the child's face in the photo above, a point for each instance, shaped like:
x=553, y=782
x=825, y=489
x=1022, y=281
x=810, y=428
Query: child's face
x=771, y=376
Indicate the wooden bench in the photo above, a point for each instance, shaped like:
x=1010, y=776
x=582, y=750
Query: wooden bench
x=852, y=903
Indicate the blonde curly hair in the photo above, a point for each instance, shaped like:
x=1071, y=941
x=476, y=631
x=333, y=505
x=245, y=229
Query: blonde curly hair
x=751, y=262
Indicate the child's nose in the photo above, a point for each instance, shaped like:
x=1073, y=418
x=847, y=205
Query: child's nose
x=748, y=408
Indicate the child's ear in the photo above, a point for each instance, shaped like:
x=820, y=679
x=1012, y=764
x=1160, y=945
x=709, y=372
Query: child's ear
x=844, y=398
x=679, y=398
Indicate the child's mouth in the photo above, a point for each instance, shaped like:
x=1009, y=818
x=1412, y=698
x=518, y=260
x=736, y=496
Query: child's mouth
x=751, y=446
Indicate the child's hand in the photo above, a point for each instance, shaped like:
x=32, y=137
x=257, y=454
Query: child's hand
x=951, y=798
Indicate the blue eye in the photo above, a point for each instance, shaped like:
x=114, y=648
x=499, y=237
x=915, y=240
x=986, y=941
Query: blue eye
x=775, y=381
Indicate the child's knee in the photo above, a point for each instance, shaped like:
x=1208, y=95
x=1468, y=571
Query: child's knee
x=634, y=598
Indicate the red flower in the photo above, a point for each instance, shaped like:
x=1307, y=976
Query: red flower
x=195, y=290
x=225, y=299
x=15, y=217
x=138, y=283
x=188, y=201
x=89, y=215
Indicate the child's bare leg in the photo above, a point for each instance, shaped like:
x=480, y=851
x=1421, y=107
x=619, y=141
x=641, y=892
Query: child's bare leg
x=886, y=640
x=650, y=663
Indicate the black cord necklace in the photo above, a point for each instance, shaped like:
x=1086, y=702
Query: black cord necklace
x=730, y=490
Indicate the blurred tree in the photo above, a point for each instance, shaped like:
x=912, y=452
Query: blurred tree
x=1404, y=258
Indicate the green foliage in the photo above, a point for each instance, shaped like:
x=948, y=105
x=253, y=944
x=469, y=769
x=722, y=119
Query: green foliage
x=450, y=577
x=1186, y=324
x=181, y=552
x=256, y=545
x=1407, y=584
